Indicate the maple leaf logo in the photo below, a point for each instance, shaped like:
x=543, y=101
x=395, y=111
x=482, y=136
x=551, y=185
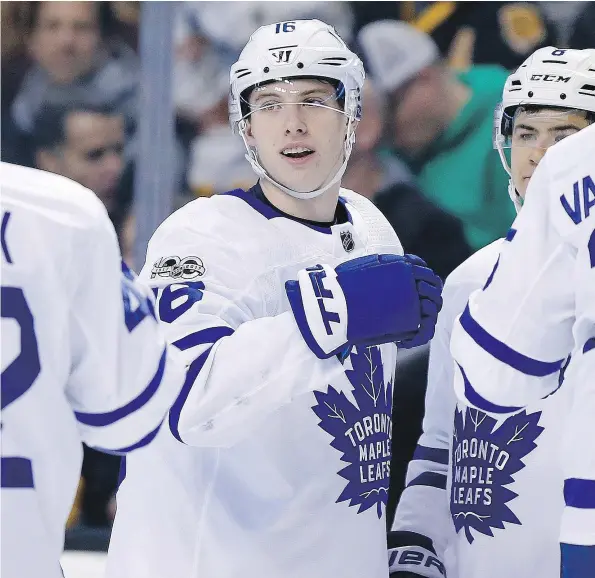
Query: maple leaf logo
x=361, y=432
x=484, y=460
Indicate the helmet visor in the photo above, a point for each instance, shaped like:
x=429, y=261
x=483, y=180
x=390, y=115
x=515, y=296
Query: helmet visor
x=314, y=96
x=538, y=127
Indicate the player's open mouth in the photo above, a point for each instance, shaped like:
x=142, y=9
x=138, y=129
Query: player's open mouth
x=297, y=152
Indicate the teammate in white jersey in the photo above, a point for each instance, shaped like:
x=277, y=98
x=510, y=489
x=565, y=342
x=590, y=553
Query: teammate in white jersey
x=83, y=358
x=489, y=480
x=514, y=336
x=287, y=300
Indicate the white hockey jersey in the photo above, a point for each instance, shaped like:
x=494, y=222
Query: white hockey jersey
x=492, y=495
x=516, y=333
x=82, y=358
x=283, y=469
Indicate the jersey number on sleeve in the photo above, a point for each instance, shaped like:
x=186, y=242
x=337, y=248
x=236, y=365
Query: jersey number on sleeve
x=591, y=247
x=178, y=298
x=136, y=305
x=17, y=378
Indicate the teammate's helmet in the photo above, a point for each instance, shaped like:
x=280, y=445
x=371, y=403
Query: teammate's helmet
x=550, y=77
x=300, y=48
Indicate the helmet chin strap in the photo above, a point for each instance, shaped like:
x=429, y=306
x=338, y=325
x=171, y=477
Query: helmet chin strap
x=514, y=196
x=252, y=158
x=512, y=192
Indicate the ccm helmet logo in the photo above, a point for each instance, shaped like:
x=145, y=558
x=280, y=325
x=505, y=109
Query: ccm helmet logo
x=550, y=77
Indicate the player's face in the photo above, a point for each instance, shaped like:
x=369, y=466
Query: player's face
x=93, y=153
x=298, y=129
x=66, y=38
x=533, y=133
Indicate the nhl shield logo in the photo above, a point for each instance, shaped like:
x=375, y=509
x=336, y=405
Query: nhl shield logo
x=347, y=240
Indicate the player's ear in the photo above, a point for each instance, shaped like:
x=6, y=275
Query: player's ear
x=249, y=136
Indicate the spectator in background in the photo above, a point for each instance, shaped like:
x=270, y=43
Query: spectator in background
x=216, y=157
x=215, y=20
x=441, y=123
x=14, y=66
x=423, y=228
x=503, y=33
x=73, y=60
x=583, y=35
x=85, y=143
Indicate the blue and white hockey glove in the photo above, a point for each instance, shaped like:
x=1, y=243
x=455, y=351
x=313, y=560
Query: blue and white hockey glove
x=366, y=301
x=429, y=288
x=414, y=560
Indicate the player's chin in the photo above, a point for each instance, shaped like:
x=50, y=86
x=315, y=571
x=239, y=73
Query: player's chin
x=299, y=181
x=304, y=185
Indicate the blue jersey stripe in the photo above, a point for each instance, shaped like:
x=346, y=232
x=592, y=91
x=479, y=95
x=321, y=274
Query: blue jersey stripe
x=504, y=353
x=440, y=456
x=123, y=451
x=577, y=561
x=191, y=375
x=110, y=417
x=431, y=479
x=478, y=401
x=202, y=337
x=579, y=493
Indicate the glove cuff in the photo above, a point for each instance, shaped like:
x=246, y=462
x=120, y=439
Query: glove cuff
x=416, y=560
x=319, y=309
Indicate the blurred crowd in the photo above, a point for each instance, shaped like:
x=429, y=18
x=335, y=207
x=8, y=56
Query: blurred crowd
x=436, y=70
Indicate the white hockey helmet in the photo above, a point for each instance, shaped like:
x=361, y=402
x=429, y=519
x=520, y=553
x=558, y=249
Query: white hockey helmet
x=300, y=48
x=550, y=77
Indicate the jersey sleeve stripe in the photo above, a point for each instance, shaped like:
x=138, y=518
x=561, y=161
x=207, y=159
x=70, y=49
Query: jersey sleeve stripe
x=209, y=335
x=503, y=352
x=479, y=401
x=431, y=479
x=191, y=375
x=108, y=418
x=579, y=493
x=438, y=455
x=140, y=444
x=577, y=561
x=589, y=344
x=16, y=473
x=400, y=538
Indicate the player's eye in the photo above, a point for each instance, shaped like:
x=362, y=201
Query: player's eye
x=95, y=154
x=562, y=135
x=313, y=101
x=526, y=136
x=269, y=105
x=98, y=153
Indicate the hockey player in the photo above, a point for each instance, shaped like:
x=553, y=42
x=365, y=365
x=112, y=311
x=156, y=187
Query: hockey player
x=286, y=300
x=83, y=358
x=493, y=496
x=514, y=336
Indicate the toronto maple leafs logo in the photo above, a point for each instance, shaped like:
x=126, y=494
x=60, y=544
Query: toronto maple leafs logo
x=361, y=432
x=484, y=459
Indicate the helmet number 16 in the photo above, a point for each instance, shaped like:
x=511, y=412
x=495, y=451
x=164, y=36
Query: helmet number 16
x=285, y=27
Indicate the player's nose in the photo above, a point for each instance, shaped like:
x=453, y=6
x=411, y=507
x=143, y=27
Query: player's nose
x=537, y=154
x=294, y=120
